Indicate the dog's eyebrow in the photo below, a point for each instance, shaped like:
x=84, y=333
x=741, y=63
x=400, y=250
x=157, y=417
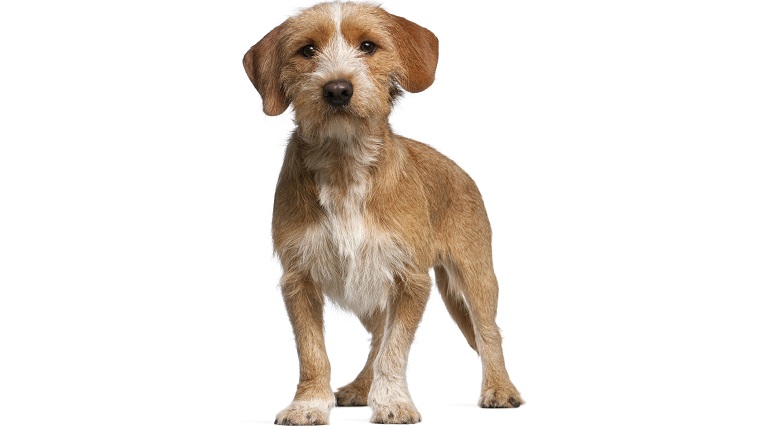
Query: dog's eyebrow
x=358, y=31
x=315, y=33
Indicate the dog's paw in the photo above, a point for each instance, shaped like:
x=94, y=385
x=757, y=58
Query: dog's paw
x=399, y=413
x=500, y=397
x=304, y=413
x=351, y=395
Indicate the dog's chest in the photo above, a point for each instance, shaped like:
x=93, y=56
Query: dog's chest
x=351, y=259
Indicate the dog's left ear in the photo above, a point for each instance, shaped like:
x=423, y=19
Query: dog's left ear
x=418, y=49
x=262, y=64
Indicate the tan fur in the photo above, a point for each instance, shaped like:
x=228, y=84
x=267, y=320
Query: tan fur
x=361, y=215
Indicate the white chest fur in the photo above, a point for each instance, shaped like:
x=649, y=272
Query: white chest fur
x=354, y=262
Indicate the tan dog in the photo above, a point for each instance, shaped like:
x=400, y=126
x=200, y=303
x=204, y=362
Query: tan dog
x=362, y=214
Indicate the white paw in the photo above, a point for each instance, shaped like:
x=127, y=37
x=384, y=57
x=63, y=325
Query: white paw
x=391, y=403
x=305, y=413
x=397, y=413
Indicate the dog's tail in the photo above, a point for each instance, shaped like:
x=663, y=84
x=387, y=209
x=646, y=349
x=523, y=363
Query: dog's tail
x=456, y=305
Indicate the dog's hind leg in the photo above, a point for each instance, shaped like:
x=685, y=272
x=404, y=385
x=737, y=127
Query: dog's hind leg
x=355, y=393
x=455, y=304
x=476, y=281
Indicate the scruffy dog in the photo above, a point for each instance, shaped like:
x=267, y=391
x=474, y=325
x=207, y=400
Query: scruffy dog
x=361, y=214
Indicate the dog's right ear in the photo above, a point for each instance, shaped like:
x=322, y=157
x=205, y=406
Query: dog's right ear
x=263, y=64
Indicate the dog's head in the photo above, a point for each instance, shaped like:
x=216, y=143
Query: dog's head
x=341, y=60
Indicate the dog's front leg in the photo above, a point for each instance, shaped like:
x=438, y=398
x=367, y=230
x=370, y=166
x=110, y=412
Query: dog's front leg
x=389, y=395
x=314, y=398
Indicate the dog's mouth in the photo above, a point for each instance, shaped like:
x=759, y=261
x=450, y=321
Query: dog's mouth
x=344, y=110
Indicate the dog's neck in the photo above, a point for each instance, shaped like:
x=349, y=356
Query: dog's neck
x=343, y=152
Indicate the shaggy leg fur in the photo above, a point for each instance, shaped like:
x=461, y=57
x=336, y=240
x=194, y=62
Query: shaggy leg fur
x=355, y=393
x=389, y=396
x=314, y=398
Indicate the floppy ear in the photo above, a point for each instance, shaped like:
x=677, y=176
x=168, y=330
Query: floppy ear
x=262, y=63
x=418, y=49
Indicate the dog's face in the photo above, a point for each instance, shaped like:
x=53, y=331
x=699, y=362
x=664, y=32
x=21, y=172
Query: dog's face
x=338, y=62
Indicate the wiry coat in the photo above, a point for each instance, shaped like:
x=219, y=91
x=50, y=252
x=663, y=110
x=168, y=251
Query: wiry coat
x=361, y=214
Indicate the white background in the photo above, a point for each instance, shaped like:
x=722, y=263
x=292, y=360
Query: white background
x=615, y=143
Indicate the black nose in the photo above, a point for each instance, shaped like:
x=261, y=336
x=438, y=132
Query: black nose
x=338, y=93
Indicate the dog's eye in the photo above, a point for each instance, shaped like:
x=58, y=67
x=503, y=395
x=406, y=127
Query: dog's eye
x=367, y=47
x=309, y=51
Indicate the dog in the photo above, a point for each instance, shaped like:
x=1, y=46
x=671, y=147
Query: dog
x=361, y=214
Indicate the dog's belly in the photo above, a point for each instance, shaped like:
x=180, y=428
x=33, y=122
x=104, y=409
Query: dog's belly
x=355, y=267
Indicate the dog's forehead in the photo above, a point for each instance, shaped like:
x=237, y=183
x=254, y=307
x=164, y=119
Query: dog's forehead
x=351, y=20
